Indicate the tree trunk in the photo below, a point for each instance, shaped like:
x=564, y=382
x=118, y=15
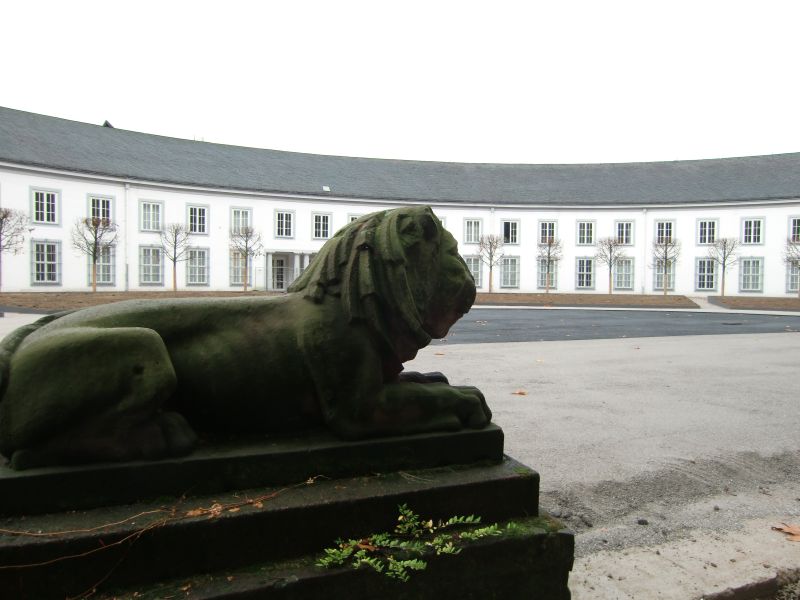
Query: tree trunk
x=609, y=281
x=490, y=278
x=244, y=280
x=1, y=270
x=547, y=280
x=94, y=275
x=174, y=275
x=722, y=287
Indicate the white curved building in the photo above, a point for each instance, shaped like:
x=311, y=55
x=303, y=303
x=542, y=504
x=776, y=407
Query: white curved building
x=60, y=171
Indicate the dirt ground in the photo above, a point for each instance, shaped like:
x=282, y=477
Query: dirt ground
x=55, y=301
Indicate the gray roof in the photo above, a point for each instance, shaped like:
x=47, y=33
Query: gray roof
x=38, y=140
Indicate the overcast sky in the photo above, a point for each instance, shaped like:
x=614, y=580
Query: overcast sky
x=490, y=81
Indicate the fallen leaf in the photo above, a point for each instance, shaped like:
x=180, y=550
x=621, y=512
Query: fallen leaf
x=520, y=393
x=258, y=505
x=438, y=353
x=230, y=578
x=792, y=532
x=234, y=509
x=196, y=512
x=365, y=545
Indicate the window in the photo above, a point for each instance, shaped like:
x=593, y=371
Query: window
x=664, y=232
x=623, y=274
x=237, y=269
x=474, y=266
x=794, y=229
x=793, y=277
x=198, y=219
x=322, y=227
x=585, y=233
x=45, y=205
x=706, y=232
x=351, y=218
x=751, y=274
x=585, y=273
x=151, y=216
x=100, y=207
x=548, y=270
x=197, y=266
x=151, y=266
x=509, y=272
x=284, y=224
x=660, y=275
x=705, y=274
x=510, y=232
x=547, y=232
x=240, y=218
x=625, y=232
x=46, y=262
x=105, y=266
x=752, y=231
x=472, y=231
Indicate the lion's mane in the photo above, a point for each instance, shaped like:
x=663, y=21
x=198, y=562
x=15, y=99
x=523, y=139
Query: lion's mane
x=365, y=265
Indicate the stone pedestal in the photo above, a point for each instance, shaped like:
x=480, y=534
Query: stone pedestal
x=250, y=519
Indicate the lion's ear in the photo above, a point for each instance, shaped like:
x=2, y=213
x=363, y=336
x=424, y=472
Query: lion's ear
x=419, y=224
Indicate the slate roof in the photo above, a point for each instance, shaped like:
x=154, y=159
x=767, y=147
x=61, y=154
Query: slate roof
x=38, y=140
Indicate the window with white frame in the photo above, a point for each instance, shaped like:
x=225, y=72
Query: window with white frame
x=151, y=265
x=585, y=233
x=151, y=216
x=46, y=268
x=623, y=274
x=664, y=232
x=472, y=231
x=198, y=219
x=663, y=275
x=752, y=231
x=240, y=218
x=322, y=226
x=705, y=274
x=547, y=232
x=105, y=266
x=793, y=277
x=197, y=266
x=474, y=266
x=45, y=207
x=100, y=207
x=584, y=273
x=706, y=231
x=548, y=274
x=751, y=274
x=794, y=229
x=509, y=272
x=625, y=232
x=237, y=269
x=284, y=224
x=510, y=232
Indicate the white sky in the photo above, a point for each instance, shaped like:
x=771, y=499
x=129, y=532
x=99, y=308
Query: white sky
x=490, y=81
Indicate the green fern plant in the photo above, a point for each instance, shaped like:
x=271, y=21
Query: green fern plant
x=397, y=553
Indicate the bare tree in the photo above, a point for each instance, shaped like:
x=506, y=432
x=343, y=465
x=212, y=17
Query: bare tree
x=246, y=242
x=13, y=224
x=94, y=236
x=666, y=251
x=791, y=254
x=174, y=245
x=549, y=254
x=610, y=252
x=490, y=250
x=723, y=253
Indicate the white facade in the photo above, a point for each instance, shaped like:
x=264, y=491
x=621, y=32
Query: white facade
x=294, y=227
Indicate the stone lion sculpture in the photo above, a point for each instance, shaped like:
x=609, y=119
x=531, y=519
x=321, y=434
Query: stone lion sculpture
x=137, y=379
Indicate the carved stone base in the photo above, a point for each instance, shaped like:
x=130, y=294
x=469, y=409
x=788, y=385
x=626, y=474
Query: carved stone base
x=263, y=541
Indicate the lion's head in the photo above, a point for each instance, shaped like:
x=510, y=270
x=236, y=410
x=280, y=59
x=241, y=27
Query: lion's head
x=397, y=270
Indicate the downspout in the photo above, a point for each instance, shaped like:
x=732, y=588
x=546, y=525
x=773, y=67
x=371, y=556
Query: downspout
x=644, y=251
x=125, y=233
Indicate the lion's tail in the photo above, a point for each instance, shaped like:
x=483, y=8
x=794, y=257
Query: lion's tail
x=11, y=342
